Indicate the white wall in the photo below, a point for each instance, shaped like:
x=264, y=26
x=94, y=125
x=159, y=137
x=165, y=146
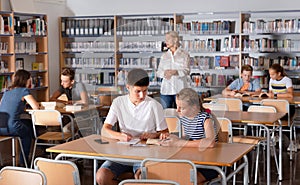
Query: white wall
x=118, y=7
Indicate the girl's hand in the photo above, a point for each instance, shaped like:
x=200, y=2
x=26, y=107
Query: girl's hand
x=125, y=137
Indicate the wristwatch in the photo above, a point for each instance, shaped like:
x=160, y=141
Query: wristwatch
x=275, y=96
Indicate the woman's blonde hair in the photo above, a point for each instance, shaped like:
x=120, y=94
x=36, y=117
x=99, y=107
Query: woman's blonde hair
x=174, y=37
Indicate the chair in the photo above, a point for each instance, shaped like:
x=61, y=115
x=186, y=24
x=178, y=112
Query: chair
x=225, y=133
x=180, y=171
x=257, y=108
x=48, y=118
x=215, y=106
x=234, y=104
x=173, y=121
x=282, y=105
x=4, y=117
x=17, y=175
x=147, y=181
x=58, y=171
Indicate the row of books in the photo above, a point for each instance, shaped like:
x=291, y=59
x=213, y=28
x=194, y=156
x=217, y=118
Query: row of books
x=145, y=26
x=90, y=46
x=90, y=62
x=5, y=24
x=146, y=46
x=101, y=78
x=264, y=63
x=32, y=26
x=217, y=62
x=211, y=80
x=3, y=47
x=271, y=45
x=272, y=26
x=226, y=44
x=25, y=47
x=147, y=62
x=87, y=27
x=214, y=27
x=5, y=82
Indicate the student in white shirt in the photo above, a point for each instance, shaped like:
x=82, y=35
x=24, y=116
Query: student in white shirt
x=138, y=115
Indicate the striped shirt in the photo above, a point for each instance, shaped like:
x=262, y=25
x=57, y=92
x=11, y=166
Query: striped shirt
x=280, y=86
x=194, y=128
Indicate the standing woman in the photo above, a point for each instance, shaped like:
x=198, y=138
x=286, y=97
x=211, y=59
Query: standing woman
x=13, y=102
x=174, y=69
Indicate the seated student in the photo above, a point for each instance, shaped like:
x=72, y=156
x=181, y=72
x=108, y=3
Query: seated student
x=13, y=102
x=279, y=85
x=75, y=91
x=198, y=128
x=138, y=115
x=245, y=84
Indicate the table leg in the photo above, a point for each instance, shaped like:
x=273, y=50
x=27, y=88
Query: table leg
x=280, y=151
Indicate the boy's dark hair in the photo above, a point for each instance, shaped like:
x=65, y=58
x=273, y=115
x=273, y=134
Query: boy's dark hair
x=138, y=77
x=68, y=72
x=247, y=68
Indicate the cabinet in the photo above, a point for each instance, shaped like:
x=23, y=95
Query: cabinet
x=24, y=45
x=104, y=48
x=272, y=37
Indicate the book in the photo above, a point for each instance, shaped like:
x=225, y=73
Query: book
x=241, y=95
x=153, y=141
x=261, y=95
x=131, y=142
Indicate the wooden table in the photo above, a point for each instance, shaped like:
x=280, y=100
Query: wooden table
x=250, y=99
x=224, y=154
x=258, y=119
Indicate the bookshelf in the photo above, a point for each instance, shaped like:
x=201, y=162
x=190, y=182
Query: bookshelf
x=219, y=43
x=23, y=45
x=272, y=37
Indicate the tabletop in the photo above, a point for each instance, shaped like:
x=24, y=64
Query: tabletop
x=265, y=118
x=217, y=156
x=294, y=100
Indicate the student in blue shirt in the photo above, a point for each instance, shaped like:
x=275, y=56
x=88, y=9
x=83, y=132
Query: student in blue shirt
x=13, y=102
x=245, y=84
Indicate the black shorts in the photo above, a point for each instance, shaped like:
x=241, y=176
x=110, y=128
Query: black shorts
x=208, y=174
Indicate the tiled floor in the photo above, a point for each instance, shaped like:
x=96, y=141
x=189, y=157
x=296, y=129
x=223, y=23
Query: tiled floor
x=291, y=170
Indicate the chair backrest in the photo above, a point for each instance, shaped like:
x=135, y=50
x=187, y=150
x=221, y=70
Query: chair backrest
x=225, y=133
x=58, y=171
x=4, y=117
x=234, y=104
x=281, y=105
x=215, y=106
x=11, y=175
x=180, y=171
x=46, y=117
x=261, y=108
x=173, y=121
x=147, y=182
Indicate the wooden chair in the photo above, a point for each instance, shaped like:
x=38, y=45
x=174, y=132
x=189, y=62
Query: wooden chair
x=173, y=121
x=4, y=117
x=282, y=105
x=180, y=171
x=48, y=118
x=58, y=171
x=17, y=175
x=147, y=182
x=234, y=104
x=215, y=106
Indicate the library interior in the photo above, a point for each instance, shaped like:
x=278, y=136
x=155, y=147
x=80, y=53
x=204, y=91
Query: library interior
x=149, y=92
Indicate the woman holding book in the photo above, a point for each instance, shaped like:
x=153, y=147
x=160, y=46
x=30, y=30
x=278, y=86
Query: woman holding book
x=174, y=69
x=13, y=103
x=244, y=85
x=279, y=85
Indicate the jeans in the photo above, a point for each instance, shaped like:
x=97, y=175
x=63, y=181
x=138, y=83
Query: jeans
x=168, y=101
